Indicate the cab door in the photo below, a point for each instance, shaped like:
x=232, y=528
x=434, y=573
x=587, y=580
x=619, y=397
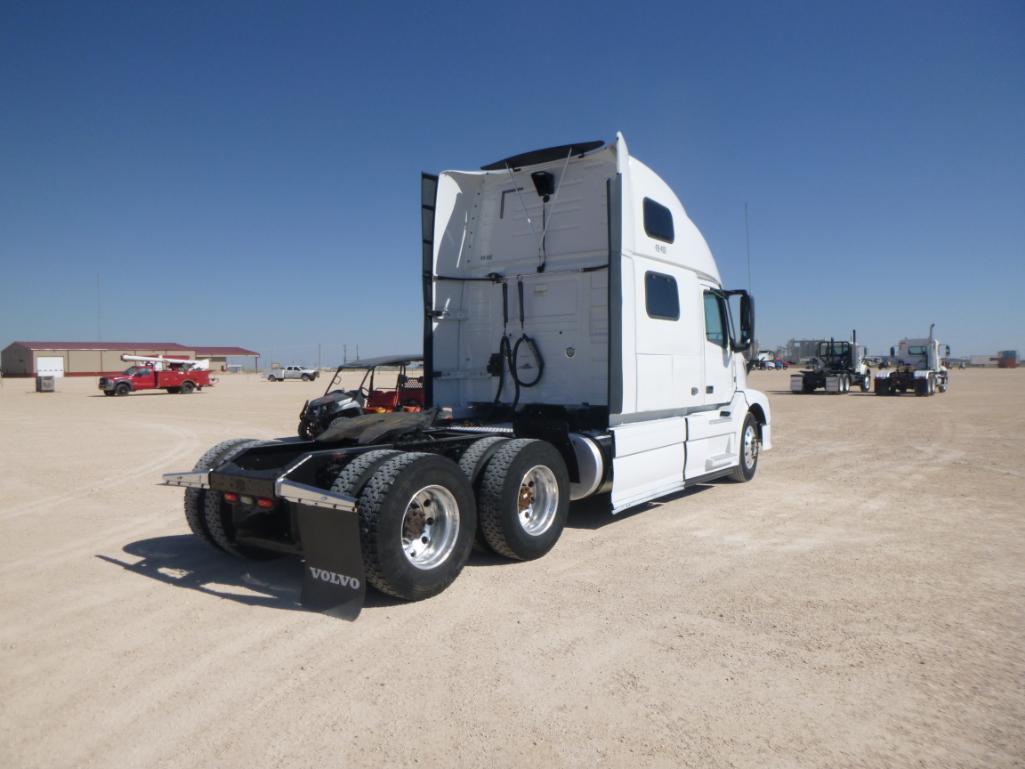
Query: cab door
x=720, y=383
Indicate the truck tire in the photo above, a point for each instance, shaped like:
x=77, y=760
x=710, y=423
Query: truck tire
x=271, y=378
x=173, y=390
x=807, y=386
x=108, y=392
x=882, y=387
x=866, y=383
x=472, y=463
x=217, y=515
x=922, y=387
x=476, y=457
x=195, y=498
x=750, y=443
x=523, y=500
x=123, y=388
x=417, y=518
x=306, y=378
x=354, y=476
x=187, y=387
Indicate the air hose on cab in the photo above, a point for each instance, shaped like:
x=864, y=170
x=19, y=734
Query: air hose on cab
x=507, y=357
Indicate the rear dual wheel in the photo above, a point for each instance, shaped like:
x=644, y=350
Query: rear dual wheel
x=195, y=499
x=417, y=521
x=523, y=500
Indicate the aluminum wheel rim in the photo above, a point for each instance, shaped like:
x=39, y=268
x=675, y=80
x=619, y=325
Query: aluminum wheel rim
x=750, y=447
x=537, y=500
x=430, y=527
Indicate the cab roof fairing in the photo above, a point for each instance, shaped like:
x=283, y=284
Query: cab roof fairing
x=457, y=191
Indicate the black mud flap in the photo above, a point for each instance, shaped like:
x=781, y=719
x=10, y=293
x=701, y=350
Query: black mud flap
x=333, y=577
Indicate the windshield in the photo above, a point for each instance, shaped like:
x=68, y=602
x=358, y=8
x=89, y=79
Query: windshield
x=916, y=349
x=839, y=348
x=130, y=370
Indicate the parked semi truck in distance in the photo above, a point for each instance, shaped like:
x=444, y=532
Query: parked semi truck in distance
x=176, y=375
x=578, y=341
x=916, y=365
x=835, y=367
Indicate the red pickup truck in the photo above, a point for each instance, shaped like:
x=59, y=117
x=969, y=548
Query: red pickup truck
x=174, y=379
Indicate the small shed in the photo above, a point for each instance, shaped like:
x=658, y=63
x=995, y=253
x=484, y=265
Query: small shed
x=218, y=356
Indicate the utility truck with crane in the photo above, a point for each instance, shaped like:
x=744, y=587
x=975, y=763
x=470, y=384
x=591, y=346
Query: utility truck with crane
x=577, y=342
x=915, y=365
x=835, y=367
x=176, y=375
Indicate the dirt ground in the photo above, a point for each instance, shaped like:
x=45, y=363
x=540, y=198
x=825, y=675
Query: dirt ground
x=860, y=603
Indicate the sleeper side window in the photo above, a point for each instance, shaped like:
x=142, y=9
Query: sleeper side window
x=715, y=322
x=661, y=297
x=658, y=221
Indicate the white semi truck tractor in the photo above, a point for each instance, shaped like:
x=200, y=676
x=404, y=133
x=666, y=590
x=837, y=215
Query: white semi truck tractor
x=835, y=367
x=915, y=365
x=578, y=342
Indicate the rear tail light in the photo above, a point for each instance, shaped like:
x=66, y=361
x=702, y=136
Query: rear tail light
x=230, y=496
x=265, y=503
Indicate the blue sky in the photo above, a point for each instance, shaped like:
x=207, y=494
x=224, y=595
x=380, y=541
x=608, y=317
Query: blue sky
x=248, y=173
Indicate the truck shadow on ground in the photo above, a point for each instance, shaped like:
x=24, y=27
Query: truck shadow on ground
x=183, y=561
x=593, y=513
x=821, y=393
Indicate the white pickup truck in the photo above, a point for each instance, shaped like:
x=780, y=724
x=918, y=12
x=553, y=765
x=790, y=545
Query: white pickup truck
x=293, y=372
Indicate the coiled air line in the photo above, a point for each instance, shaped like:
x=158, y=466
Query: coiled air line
x=509, y=353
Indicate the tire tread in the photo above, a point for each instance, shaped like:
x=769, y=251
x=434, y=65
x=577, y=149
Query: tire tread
x=194, y=498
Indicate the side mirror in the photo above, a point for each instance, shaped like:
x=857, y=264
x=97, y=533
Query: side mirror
x=893, y=352
x=948, y=350
x=741, y=339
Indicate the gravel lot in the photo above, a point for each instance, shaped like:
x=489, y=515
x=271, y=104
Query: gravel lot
x=861, y=603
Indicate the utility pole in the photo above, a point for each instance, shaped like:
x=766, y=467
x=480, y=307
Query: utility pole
x=318, y=356
x=99, y=335
x=345, y=353
x=357, y=352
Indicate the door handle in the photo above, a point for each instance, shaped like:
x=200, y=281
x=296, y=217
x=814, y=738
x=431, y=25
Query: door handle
x=710, y=389
x=693, y=391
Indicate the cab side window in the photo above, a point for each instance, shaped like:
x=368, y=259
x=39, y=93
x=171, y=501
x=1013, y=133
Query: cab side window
x=658, y=221
x=715, y=319
x=661, y=296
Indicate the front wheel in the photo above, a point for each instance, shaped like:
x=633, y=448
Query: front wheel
x=866, y=383
x=750, y=443
x=123, y=389
x=524, y=499
x=306, y=377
